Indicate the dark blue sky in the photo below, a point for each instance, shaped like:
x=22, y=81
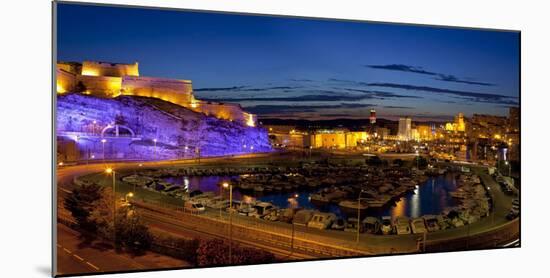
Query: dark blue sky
x=304, y=68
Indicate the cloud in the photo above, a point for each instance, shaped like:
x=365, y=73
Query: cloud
x=234, y=88
x=270, y=88
x=400, y=67
x=397, y=107
x=296, y=98
x=420, y=70
x=478, y=97
x=380, y=94
x=301, y=80
x=270, y=109
x=452, y=78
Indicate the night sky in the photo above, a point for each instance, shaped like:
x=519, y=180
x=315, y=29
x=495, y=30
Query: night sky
x=304, y=68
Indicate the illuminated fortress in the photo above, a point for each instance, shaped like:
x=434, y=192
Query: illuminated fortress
x=109, y=80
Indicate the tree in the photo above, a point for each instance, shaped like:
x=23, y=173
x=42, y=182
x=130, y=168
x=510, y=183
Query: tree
x=216, y=252
x=398, y=162
x=131, y=233
x=81, y=203
x=374, y=161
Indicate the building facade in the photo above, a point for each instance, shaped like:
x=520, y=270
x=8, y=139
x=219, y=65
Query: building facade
x=104, y=79
x=404, y=130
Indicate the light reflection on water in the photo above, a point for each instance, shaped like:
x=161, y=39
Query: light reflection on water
x=432, y=197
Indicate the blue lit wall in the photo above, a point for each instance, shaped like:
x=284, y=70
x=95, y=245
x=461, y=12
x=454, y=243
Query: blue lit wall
x=161, y=130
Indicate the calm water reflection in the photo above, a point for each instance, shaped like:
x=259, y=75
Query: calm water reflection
x=432, y=197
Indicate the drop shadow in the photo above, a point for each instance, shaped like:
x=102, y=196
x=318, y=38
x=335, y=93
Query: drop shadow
x=44, y=270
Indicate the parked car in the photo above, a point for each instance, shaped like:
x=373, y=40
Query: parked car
x=352, y=225
x=339, y=224
x=387, y=227
x=194, y=207
x=321, y=220
x=418, y=226
x=262, y=209
x=402, y=226
x=371, y=225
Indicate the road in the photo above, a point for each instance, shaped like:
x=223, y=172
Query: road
x=74, y=256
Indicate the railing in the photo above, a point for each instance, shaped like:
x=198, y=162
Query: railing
x=489, y=239
x=256, y=231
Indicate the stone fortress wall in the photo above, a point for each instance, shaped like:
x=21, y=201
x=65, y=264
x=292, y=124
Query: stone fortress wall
x=104, y=79
x=92, y=68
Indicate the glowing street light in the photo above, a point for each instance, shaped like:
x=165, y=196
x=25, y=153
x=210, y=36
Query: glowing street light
x=230, y=186
x=293, y=203
x=93, y=126
x=128, y=195
x=103, y=141
x=110, y=170
x=359, y=215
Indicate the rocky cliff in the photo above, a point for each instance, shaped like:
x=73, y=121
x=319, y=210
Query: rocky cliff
x=179, y=132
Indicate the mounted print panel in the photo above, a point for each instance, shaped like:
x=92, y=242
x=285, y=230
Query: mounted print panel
x=191, y=139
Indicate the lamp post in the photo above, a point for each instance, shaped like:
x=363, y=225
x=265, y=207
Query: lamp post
x=226, y=185
x=111, y=171
x=509, y=168
x=103, y=141
x=221, y=199
x=128, y=195
x=293, y=202
x=155, y=142
x=358, y=215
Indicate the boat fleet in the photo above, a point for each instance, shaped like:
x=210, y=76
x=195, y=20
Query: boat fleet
x=352, y=188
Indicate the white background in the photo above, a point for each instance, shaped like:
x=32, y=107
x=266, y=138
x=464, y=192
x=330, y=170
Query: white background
x=25, y=65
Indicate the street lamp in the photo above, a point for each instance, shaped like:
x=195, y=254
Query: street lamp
x=128, y=195
x=293, y=202
x=359, y=214
x=103, y=141
x=111, y=171
x=509, y=168
x=226, y=185
x=155, y=142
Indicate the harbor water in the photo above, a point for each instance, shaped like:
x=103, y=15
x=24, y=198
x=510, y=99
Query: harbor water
x=431, y=197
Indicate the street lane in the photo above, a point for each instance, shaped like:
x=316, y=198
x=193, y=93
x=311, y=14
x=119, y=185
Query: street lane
x=76, y=256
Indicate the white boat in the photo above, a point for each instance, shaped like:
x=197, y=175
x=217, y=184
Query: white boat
x=418, y=226
x=402, y=226
x=351, y=206
x=321, y=220
x=386, y=226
